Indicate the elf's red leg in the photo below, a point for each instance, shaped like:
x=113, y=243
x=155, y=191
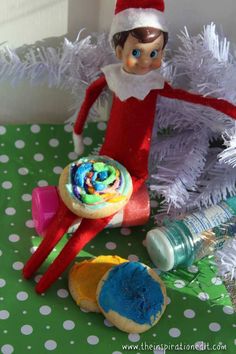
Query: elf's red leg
x=87, y=230
x=56, y=229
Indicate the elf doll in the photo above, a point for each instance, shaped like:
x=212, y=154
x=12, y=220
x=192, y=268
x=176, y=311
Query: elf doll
x=138, y=34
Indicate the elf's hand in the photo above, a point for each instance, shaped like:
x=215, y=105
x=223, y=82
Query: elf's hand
x=78, y=143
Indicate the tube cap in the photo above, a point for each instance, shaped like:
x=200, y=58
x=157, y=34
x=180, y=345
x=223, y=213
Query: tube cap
x=160, y=249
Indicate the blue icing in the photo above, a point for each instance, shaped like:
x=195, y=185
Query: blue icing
x=81, y=173
x=103, y=175
x=99, y=186
x=95, y=174
x=131, y=292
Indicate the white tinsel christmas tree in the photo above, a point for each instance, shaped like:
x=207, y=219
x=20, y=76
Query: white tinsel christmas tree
x=185, y=167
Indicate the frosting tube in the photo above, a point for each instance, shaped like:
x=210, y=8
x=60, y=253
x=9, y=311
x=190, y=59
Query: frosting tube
x=95, y=186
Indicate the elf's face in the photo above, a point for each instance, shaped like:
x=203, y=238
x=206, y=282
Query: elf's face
x=140, y=58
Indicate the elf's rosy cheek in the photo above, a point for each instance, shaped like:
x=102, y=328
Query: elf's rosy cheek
x=130, y=62
x=156, y=64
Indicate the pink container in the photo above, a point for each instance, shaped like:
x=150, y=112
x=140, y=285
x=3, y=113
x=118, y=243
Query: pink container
x=45, y=203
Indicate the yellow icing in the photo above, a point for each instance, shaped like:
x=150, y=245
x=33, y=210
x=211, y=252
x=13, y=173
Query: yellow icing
x=86, y=275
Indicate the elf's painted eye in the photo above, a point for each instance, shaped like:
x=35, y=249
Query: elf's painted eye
x=136, y=53
x=154, y=54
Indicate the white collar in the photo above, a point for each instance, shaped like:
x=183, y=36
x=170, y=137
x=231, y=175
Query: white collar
x=126, y=85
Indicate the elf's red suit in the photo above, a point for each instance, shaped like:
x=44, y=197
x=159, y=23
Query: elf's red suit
x=127, y=140
x=130, y=125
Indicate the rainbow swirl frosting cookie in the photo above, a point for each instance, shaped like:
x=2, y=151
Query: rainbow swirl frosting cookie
x=95, y=187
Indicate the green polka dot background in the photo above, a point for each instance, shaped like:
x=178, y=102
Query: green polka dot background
x=199, y=310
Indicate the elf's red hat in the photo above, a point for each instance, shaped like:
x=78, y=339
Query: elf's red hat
x=130, y=14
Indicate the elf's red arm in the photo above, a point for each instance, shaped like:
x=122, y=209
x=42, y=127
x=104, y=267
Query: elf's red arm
x=218, y=104
x=92, y=93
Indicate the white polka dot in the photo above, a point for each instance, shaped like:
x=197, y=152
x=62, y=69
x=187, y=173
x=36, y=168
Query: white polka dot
x=4, y=158
x=7, y=349
x=72, y=156
x=4, y=315
x=33, y=249
x=108, y=323
x=22, y=296
x=102, y=126
x=0, y=252
x=216, y=281
x=93, y=340
x=214, y=326
x=45, y=310
x=179, y=284
x=111, y=245
x=6, y=185
x=228, y=310
x=50, y=344
x=68, y=128
x=125, y=231
x=35, y=128
x=42, y=183
x=37, y=278
x=62, y=293
x=235, y=342
x=29, y=224
x=203, y=296
x=159, y=351
x=193, y=269
x=14, y=238
x=200, y=346
x=68, y=325
x=189, y=313
x=87, y=141
x=2, y=283
x=174, y=332
x=57, y=170
x=19, y=144
x=38, y=157
x=10, y=211
x=26, y=197
x=53, y=142
x=17, y=265
x=133, y=337
x=23, y=171
x=26, y=330
x=2, y=130
x=168, y=300
x=133, y=258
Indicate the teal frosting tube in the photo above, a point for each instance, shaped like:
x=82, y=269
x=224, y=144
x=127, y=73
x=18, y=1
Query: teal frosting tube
x=181, y=242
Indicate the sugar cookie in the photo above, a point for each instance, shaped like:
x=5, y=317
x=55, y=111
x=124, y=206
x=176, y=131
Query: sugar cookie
x=132, y=297
x=84, y=278
x=95, y=187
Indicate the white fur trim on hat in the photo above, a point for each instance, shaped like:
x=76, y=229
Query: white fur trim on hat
x=134, y=18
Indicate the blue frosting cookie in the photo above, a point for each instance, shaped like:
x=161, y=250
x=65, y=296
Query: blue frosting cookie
x=132, y=297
